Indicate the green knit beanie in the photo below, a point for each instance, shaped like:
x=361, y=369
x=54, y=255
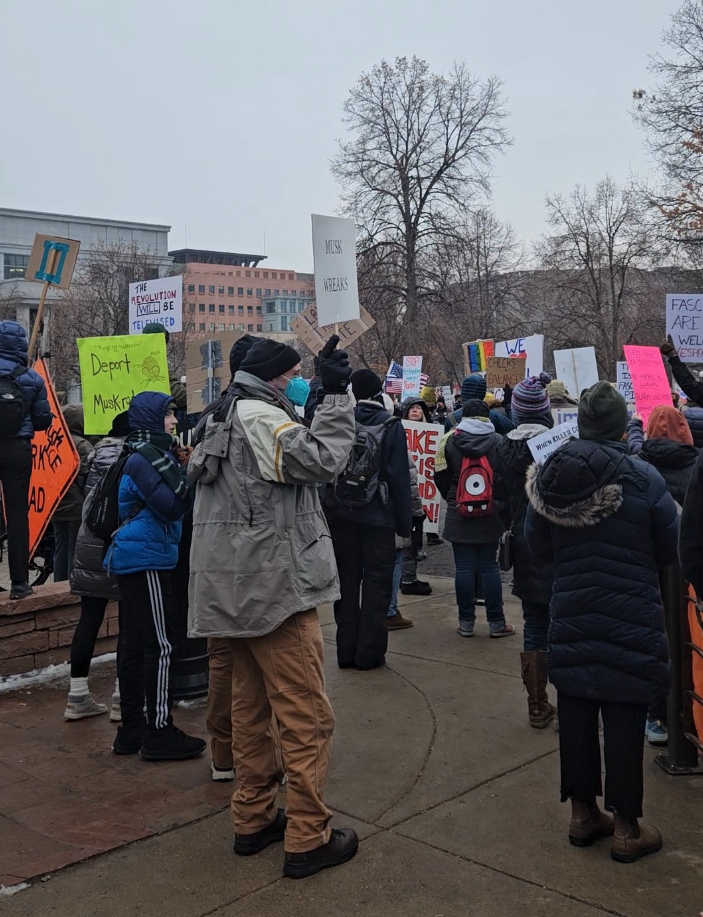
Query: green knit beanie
x=602, y=413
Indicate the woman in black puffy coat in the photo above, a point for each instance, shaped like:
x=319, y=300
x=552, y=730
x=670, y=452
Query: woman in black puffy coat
x=95, y=587
x=607, y=523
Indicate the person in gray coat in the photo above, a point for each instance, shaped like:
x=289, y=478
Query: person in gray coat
x=261, y=562
x=95, y=587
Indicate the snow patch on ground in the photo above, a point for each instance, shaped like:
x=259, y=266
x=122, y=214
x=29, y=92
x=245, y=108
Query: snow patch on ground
x=7, y=890
x=49, y=675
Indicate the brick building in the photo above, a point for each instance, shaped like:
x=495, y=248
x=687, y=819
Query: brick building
x=230, y=291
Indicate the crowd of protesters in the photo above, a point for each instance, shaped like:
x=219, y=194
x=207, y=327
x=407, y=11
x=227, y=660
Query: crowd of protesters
x=300, y=494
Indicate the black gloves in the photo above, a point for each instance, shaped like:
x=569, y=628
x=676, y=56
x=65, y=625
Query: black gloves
x=667, y=348
x=334, y=368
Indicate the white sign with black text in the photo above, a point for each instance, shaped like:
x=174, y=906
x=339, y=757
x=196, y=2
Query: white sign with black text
x=157, y=301
x=334, y=253
x=543, y=445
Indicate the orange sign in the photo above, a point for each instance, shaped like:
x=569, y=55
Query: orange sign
x=55, y=464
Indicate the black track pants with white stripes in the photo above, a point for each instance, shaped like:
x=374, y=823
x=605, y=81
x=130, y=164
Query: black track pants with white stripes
x=145, y=648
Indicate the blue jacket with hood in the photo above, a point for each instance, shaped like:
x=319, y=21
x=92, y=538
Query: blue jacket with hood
x=13, y=353
x=150, y=540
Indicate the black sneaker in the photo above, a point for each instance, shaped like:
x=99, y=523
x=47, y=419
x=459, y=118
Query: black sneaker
x=433, y=540
x=246, y=845
x=128, y=740
x=416, y=588
x=20, y=590
x=341, y=847
x=170, y=744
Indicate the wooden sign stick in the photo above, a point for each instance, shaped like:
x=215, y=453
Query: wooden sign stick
x=40, y=311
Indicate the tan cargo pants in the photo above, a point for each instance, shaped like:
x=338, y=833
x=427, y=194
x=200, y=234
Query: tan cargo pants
x=282, y=674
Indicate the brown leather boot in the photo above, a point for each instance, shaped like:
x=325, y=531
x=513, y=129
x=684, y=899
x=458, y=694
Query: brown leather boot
x=398, y=622
x=534, y=677
x=588, y=823
x=634, y=841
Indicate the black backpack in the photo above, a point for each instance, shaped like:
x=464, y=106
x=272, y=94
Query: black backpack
x=103, y=517
x=361, y=479
x=13, y=404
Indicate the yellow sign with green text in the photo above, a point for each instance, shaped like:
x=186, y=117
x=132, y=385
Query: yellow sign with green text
x=114, y=369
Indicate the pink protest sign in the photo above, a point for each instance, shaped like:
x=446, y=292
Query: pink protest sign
x=649, y=382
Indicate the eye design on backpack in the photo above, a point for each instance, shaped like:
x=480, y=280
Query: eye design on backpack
x=476, y=485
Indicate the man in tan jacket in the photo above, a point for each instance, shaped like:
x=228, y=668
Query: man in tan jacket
x=261, y=563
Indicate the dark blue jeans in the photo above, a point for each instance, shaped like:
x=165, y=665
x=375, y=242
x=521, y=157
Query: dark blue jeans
x=536, y=631
x=468, y=558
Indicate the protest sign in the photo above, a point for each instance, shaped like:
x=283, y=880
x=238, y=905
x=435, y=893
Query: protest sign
x=577, y=369
x=114, y=369
x=649, y=382
x=544, y=444
x=423, y=440
x=684, y=322
x=305, y=327
x=530, y=349
x=55, y=464
x=159, y=300
x=334, y=254
x=502, y=371
x=412, y=372
x=624, y=382
x=565, y=415
x=447, y=395
x=52, y=261
x=476, y=354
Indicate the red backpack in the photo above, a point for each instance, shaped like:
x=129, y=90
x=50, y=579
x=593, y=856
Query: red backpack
x=474, y=492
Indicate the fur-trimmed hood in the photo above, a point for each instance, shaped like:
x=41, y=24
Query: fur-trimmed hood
x=580, y=485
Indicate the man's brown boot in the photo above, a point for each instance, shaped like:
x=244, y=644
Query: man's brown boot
x=634, y=841
x=535, y=677
x=398, y=622
x=588, y=823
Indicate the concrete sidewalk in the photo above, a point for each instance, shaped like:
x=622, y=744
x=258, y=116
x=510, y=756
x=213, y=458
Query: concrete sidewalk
x=455, y=797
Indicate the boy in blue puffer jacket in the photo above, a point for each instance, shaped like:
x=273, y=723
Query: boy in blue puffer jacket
x=153, y=498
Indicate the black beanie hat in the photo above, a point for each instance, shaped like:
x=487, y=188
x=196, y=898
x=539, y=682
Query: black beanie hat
x=366, y=384
x=120, y=425
x=155, y=328
x=268, y=359
x=602, y=413
x=475, y=408
x=240, y=349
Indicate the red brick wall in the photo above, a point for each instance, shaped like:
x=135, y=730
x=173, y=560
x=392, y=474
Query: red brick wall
x=37, y=631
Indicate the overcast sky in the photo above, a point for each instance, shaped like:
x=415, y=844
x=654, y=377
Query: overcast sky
x=222, y=115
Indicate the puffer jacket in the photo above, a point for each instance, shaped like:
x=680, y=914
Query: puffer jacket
x=608, y=524
x=88, y=577
x=531, y=582
x=674, y=461
x=149, y=540
x=472, y=438
x=13, y=353
x=393, y=509
x=694, y=416
x=71, y=507
x=261, y=548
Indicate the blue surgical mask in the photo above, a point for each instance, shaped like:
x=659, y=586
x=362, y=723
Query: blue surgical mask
x=297, y=390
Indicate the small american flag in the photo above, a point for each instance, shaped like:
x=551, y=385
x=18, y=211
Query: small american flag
x=394, y=379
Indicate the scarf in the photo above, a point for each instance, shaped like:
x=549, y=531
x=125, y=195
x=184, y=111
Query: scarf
x=156, y=448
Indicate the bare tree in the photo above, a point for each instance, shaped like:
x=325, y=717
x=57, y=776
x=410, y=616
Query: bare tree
x=421, y=148
x=596, y=262
x=672, y=116
x=96, y=303
x=477, y=285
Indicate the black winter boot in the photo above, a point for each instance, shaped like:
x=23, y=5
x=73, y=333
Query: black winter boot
x=342, y=846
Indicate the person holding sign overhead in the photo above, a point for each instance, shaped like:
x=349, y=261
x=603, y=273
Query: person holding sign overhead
x=24, y=408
